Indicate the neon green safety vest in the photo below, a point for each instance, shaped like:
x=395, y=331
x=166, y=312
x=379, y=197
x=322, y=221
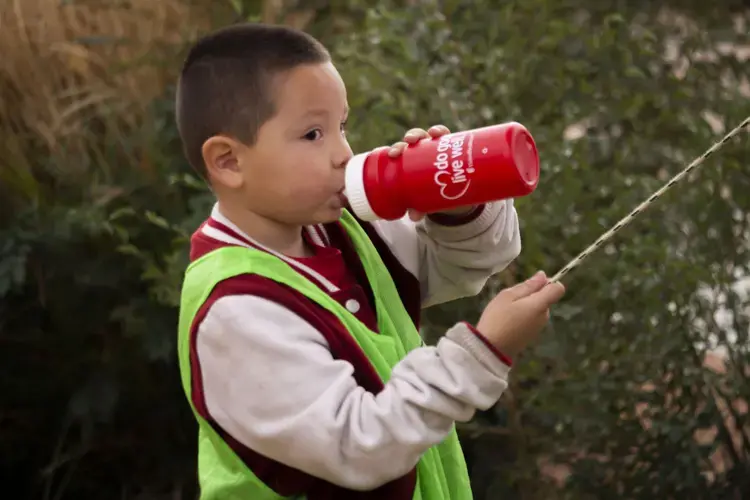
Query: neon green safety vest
x=441, y=472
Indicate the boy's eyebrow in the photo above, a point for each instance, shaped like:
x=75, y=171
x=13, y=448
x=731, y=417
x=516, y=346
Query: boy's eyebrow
x=322, y=112
x=315, y=112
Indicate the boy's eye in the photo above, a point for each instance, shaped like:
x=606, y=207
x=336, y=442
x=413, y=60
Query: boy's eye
x=313, y=135
x=343, y=127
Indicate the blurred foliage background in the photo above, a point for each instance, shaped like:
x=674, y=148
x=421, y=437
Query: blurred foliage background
x=638, y=390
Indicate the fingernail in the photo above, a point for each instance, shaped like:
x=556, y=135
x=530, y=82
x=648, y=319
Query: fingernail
x=539, y=277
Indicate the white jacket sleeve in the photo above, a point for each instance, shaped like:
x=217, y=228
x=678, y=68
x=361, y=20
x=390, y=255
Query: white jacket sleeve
x=455, y=261
x=271, y=382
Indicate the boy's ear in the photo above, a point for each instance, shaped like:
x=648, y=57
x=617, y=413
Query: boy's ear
x=221, y=157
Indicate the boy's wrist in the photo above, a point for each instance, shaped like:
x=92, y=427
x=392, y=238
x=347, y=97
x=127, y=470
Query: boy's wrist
x=504, y=355
x=458, y=216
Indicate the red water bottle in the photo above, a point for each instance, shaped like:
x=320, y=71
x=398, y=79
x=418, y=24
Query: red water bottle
x=452, y=171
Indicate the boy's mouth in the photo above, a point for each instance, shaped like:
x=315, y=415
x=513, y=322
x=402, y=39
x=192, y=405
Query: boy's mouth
x=341, y=194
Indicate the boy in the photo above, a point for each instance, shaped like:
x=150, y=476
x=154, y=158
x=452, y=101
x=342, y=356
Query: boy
x=298, y=345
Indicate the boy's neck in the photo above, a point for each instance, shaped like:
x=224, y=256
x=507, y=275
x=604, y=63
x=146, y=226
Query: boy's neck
x=277, y=236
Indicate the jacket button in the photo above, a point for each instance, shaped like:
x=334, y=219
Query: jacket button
x=352, y=306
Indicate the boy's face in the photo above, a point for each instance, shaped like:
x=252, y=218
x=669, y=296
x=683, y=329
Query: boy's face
x=294, y=173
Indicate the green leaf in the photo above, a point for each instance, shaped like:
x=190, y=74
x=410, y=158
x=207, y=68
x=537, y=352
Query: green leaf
x=157, y=220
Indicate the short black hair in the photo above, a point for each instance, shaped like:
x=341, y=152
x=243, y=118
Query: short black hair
x=226, y=87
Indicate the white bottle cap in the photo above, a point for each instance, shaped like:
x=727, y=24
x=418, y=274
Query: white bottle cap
x=355, y=188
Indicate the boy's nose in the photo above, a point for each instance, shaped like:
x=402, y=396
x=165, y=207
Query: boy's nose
x=343, y=155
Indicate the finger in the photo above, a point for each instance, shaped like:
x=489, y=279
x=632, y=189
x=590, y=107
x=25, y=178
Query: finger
x=415, y=215
x=397, y=149
x=415, y=135
x=554, y=292
x=526, y=288
x=547, y=296
x=438, y=130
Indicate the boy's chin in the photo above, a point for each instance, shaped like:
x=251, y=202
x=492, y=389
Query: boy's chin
x=330, y=215
x=323, y=216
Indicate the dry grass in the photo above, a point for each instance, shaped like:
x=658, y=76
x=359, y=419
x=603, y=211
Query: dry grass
x=65, y=63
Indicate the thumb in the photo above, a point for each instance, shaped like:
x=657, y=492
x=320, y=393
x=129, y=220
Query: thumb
x=548, y=295
x=526, y=288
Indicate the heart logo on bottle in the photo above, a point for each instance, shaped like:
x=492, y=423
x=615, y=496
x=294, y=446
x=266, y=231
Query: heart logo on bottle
x=451, y=188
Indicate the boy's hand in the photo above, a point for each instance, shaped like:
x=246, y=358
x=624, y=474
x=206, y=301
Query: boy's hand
x=413, y=136
x=516, y=315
